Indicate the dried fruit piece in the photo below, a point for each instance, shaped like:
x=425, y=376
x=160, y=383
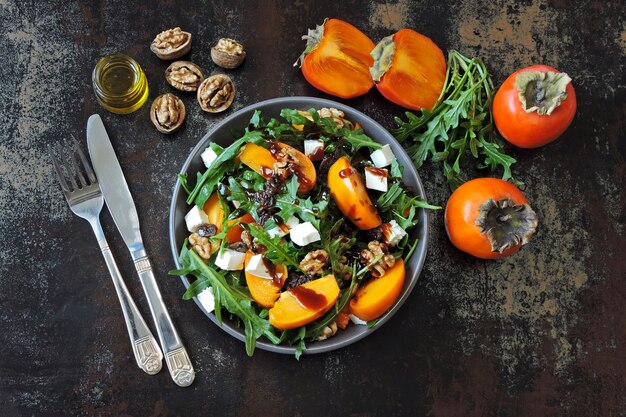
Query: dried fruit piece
x=171, y=44
x=184, y=76
x=228, y=53
x=167, y=113
x=216, y=93
x=409, y=69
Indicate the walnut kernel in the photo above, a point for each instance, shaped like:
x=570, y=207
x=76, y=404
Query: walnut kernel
x=216, y=93
x=171, y=44
x=314, y=262
x=228, y=53
x=328, y=331
x=184, y=76
x=376, y=249
x=337, y=115
x=203, y=246
x=167, y=113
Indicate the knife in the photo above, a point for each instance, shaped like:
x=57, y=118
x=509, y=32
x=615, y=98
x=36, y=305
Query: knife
x=122, y=209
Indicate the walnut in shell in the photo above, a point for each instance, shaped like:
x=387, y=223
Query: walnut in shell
x=171, y=44
x=228, y=53
x=167, y=113
x=184, y=76
x=216, y=93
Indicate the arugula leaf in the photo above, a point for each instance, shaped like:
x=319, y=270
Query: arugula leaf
x=290, y=204
x=277, y=251
x=336, y=245
x=400, y=206
x=330, y=132
x=227, y=297
x=218, y=168
x=459, y=125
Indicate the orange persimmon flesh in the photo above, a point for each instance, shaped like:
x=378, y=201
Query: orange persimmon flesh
x=289, y=312
x=349, y=192
x=262, y=160
x=214, y=211
x=377, y=296
x=234, y=233
x=337, y=59
x=265, y=291
x=409, y=69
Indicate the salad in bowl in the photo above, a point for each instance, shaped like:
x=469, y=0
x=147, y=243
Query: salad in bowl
x=299, y=229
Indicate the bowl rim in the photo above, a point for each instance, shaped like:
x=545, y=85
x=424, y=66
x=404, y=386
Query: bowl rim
x=420, y=251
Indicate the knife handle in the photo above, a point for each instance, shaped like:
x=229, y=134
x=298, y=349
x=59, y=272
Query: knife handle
x=176, y=356
x=147, y=353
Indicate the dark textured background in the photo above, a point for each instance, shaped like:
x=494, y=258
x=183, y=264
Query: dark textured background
x=542, y=333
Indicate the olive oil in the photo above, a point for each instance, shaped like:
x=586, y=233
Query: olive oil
x=119, y=84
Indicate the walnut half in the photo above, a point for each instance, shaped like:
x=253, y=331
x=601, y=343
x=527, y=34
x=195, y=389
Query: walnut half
x=171, y=44
x=228, y=53
x=216, y=93
x=167, y=113
x=184, y=76
x=374, y=250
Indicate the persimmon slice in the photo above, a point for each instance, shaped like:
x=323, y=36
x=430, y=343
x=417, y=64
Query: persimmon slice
x=337, y=59
x=378, y=295
x=263, y=161
x=290, y=312
x=409, y=69
x=214, y=211
x=265, y=291
x=349, y=192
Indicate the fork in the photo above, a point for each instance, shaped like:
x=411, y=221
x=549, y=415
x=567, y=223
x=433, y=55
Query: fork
x=85, y=200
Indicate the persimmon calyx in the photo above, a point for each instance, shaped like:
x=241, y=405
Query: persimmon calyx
x=506, y=224
x=541, y=91
x=383, y=57
x=312, y=38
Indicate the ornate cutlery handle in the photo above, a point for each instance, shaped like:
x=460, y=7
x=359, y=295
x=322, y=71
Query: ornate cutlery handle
x=147, y=353
x=176, y=355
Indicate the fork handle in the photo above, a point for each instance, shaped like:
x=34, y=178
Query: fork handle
x=147, y=353
x=176, y=356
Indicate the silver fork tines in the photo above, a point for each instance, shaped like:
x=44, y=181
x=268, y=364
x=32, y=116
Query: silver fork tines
x=85, y=200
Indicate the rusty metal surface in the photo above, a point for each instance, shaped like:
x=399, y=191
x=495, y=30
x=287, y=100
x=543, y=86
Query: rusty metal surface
x=542, y=333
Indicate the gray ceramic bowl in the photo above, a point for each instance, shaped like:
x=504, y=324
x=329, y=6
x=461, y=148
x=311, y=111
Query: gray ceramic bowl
x=221, y=134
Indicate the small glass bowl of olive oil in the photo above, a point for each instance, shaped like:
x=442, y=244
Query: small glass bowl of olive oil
x=119, y=84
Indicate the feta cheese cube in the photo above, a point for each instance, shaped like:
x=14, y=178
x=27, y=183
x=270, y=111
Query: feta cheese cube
x=256, y=266
x=314, y=149
x=376, y=178
x=354, y=319
x=236, y=204
x=383, y=157
x=208, y=156
x=230, y=260
x=285, y=228
x=393, y=232
x=195, y=218
x=207, y=299
x=304, y=233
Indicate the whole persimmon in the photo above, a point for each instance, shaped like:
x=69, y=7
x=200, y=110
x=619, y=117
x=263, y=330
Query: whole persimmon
x=489, y=218
x=534, y=106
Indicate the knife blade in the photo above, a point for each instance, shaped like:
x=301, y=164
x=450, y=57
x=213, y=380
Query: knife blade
x=122, y=208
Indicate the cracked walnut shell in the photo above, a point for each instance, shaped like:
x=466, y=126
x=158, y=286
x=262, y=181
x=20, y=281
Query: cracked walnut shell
x=228, y=53
x=171, y=44
x=184, y=76
x=216, y=93
x=167, y=113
